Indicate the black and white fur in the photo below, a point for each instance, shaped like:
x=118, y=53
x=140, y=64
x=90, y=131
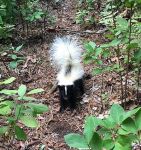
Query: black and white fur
x=66, y=55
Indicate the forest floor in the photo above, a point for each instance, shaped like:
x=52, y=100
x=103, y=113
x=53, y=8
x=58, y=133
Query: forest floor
x=38, y=73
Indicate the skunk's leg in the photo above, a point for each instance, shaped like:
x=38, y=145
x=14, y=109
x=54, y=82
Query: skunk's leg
x=71, y=97
x=62, y=100
x=81, y=86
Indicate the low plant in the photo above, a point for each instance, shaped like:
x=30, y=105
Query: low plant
x=85, y=15
x=14, y=56
x=116, y=132
x=31, y=10
x=18, y=109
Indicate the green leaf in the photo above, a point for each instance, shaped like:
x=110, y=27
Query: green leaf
x=125, y=140
x=138, y=120
x=98, y=51
x=96, y=142
x=34, y=91
x=108, y=123
x=119, y=147
x=20, y=134
x=13, y=56
x=38, y=108
x=105, y=133
x=8, y=103
x=90, y=125
x=18, y=111
x=123, y=132
x=19, y=47
x=13, y=64
x=3, y=129
x=22, y=90
x=10, y=80
x=137, y=55
x=1, y=21
x=97, y=71
x=26, y=98
x=8, y=92
x=4, y=109
x=108, y=144
x=76, y=141
x=90, y=47
x=131, y=113
x=122, y=22
x=115, y=42
x=29, y=121
x=129, y=125
x=117, y=113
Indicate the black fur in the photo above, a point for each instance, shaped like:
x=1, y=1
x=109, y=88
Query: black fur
x=69, y=97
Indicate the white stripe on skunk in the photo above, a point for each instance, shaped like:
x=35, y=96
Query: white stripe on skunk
x=66, y=55
x=66, y=52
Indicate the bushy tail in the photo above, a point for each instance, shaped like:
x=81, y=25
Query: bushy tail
x=65, y=52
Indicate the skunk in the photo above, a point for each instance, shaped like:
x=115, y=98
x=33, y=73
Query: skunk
x=66, y=55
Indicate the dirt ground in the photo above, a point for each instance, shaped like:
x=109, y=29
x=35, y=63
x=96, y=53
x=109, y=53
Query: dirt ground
x=40, y=74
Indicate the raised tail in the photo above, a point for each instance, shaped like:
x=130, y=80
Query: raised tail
x=66, y=51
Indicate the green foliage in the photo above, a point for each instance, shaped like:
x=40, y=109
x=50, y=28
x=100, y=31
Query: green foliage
x=118, y=131
x=85, y=15
x=16, y=60
x=31, y=10
x=121, y=53
x=12, y=10
x=16, y=108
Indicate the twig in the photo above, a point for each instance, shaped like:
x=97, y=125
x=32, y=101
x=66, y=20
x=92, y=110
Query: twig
x=78, y=31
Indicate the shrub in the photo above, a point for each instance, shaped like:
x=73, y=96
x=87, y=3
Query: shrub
x=18, y=109
x=118, y=131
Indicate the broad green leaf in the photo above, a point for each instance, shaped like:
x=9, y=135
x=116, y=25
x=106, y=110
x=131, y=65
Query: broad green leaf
x=98, y=51
x=122, y=22
x=22, y=90
x=8, y=103
x=129, y=125
x=90, y=125
x=38, y=108
x=18, y=111
x=36, y=91
x=26, y=98
x=29, y=121
x=131, y=113
x=3, y=129
x=92, y=44
x=108, y=123
x=125, y=140
x=119, y=147
x=105, y=133
x=123, y=132
x=138, y=120
x=19, y=47
x=10, y=80
x=76, y=141
x=115, y=42
x=96, y=142
x=8, y=92
x=108, y=144
x=20, y=134
x=13, y=64
x=4, y=109
x=13, y=56
x=117, y=113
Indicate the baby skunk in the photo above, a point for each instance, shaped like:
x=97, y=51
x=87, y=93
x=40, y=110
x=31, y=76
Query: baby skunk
x=66, y=55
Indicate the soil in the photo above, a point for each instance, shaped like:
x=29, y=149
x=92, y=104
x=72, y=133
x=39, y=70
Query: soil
x=38, y=72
